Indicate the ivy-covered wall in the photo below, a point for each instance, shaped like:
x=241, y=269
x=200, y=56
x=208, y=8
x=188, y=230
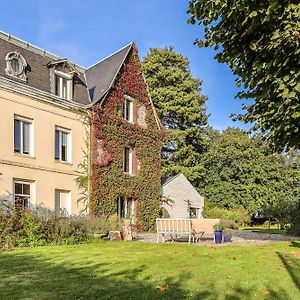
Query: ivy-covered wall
x=111, y=133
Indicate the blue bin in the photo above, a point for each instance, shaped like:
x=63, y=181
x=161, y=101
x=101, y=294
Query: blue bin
x=218, y=237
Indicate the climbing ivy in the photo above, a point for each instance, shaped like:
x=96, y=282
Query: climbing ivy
x=111, y=133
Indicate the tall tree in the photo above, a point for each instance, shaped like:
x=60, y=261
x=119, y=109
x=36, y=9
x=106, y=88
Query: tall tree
x=260, y=42
x=181, y=108
x=241, y=172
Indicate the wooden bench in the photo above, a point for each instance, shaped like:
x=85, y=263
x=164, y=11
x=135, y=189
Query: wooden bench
x=194, y=229
x=173, y=228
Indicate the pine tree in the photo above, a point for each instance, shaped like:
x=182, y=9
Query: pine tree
x=181, y=107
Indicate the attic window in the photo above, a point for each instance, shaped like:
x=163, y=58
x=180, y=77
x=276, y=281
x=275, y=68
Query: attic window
x=128, y=109
x=16, y=65
x=63, y=85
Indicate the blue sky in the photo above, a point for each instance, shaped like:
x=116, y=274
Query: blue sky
x=85, y=31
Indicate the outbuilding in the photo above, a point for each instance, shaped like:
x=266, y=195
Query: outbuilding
x=180, y=199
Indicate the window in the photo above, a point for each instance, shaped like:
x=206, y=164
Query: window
x=125, y=207
x=22, y=193
x=23, y=136
x=63, y=85
x=16, y=65
x=194, y=213
x=62, y=202
x=128, y=109
x=128, y=161
x=62, y=145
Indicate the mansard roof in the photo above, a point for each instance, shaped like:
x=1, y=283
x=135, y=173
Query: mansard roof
x=37, y=70
x=90, y=84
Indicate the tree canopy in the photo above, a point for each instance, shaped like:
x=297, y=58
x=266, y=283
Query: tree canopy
x=259, y=41
x=181, y=107
x=241, y=172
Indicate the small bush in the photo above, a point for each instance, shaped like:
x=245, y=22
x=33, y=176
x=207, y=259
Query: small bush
x=26, y=228
x=239, y=216
x=229, y=224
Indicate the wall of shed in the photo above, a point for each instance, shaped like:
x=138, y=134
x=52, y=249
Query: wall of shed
x=180, y=190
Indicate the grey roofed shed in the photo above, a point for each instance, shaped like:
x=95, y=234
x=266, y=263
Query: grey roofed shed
x=182, y=195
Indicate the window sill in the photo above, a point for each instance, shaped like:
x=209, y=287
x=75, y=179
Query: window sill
x=24, y=155
x=128, y=174
x=63, y=162
x=130, y=122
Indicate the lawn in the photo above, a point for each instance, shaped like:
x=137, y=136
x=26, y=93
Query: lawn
x=261, y=229
x=137, y=270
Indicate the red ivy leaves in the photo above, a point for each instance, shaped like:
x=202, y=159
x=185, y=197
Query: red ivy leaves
x=111, y=133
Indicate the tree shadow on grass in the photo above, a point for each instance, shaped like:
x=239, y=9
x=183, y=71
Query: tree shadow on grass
x=27, y=276
x=295, y=244
x=292, y=265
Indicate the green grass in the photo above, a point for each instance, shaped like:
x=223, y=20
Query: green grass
x=260, y=229
x=132, y=270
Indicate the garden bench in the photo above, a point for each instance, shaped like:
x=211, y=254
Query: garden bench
x=193, y=228
x=173, y=228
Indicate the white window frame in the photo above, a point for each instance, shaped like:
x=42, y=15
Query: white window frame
x=69, y=201
x=69, y=144
x=31, y=184
x=130, y=158
x=128, y=99
x=61, y=75
x=31, y=135
x=126, y=200
x=198, y=213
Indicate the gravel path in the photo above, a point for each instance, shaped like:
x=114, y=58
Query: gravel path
x=240, y=237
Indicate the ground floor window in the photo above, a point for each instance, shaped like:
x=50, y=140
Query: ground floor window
x=194, y=212
x=125, y=207
x=62, y=202
x=22, y=193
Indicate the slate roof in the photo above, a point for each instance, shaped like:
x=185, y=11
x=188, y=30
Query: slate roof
x=90, y=84
x=101, y=76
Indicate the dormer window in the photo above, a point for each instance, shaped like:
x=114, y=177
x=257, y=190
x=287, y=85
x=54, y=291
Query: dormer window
x=61, y=77
x=16, y=65
x=63, y=85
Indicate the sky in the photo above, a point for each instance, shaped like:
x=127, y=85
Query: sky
x=85, y=31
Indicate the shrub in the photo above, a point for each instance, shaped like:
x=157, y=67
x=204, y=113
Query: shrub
x=229, y=224
x=219, y=227
x=114, y=222
x=239, y=216
x=97, y=225
x=31, y=230
x=26, y=228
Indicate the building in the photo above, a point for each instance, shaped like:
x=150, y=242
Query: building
x=181, y=199
x=52, y=111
